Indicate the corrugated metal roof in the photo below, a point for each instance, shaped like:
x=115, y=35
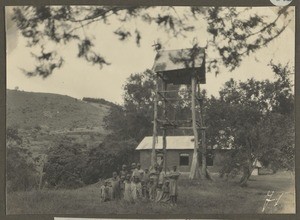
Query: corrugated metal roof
x=168, y=60
x=173, y=142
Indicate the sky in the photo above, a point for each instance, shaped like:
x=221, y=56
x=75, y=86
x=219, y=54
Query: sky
x=79, y=79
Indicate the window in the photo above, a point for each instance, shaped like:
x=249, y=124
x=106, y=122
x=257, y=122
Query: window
x=184, y=159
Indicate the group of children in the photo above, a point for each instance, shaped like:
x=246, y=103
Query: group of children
x=135, y=184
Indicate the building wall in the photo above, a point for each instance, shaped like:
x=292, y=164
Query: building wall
x=173, y=159
x=145, y=158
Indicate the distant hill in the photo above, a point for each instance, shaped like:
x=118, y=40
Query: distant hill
x=44, y=118
x=30, y=109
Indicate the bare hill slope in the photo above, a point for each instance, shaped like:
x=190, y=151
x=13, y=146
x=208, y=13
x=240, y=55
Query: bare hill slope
x=43, y=119
x=30, y=109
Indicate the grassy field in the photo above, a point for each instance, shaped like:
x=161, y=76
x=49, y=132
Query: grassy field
x=206, y=197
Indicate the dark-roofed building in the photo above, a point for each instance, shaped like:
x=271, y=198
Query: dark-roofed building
x=179, y=152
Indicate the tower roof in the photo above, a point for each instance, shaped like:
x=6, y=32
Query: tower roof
x=177, y=66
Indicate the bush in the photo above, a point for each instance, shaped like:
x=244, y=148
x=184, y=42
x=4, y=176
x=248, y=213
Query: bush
x=21, y=169
x=72, y=165
x=65, y=165
x=108, y=157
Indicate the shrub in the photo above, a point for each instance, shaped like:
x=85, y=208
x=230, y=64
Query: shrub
x=108, y=157
x=21, y=169
x=65, y=165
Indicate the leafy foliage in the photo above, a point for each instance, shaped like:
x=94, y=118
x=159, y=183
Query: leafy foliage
x=65, y=165
x=134, y=119
x=234, y=32
x=21, y=170
x=237, y=33
x=71, y=165
x=108, y=157
x=256, y=119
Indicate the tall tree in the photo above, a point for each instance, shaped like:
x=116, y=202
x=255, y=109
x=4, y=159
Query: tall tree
x=133, y=120
x=256, y=119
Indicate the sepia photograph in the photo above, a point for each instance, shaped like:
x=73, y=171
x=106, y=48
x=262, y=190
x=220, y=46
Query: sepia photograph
x=150, y=110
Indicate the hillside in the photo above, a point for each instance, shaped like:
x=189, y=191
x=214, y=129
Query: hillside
x=43, y=118
x=29, y=109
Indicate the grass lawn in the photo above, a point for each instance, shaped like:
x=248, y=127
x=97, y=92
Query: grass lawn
x=202, y=197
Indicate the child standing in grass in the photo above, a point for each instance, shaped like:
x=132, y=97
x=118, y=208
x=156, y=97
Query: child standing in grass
x=115, y=182
x=166, y=192
x=124, y=171
x=127, y=189
x=122, y=186
x=134, y=170
x=151, y=189
x=140, y=171
x=146, y=178
x=104, y=191
x=110, y=191
x=161, y=176
x=159, y=193
x=145, y=191
x=173, y=176
x=136, y=189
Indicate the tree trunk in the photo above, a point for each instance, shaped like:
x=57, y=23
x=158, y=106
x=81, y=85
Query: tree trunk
x=204, y=170
x=153, y=153
x=164, y=131
x=245, y=177
x=194, y=173
x=203, y=145
x=247, y=171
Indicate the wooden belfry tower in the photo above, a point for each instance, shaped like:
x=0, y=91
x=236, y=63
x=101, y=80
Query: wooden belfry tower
x=179, y=67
